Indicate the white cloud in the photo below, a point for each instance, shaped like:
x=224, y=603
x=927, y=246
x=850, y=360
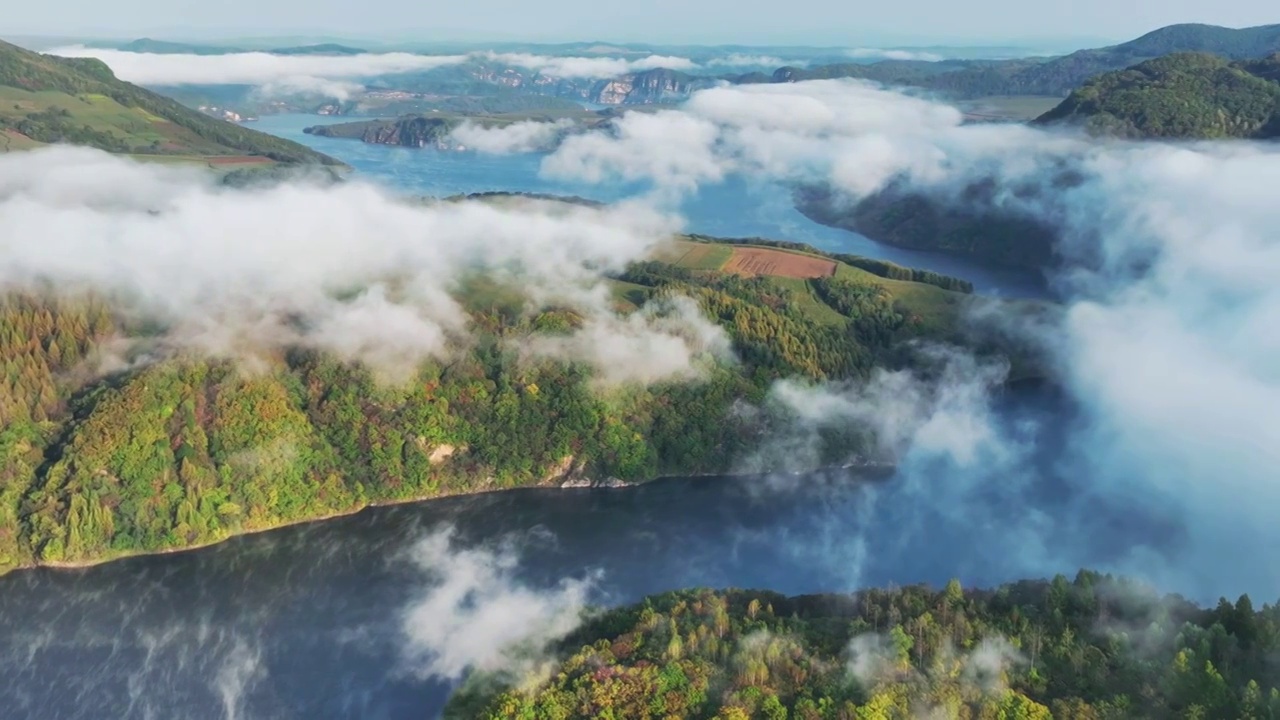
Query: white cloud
x=329, y=74
x=740, y=60
x=348, y=267
x=475, y=613
x=588, y=67
x=891, y=54
x=338, y=76
x=519, y=137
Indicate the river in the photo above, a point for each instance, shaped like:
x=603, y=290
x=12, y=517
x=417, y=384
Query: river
x=308, y=621
x=738, y=207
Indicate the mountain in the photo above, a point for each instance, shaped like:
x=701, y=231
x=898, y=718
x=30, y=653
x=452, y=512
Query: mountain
x=320, y=49
x=1052, y=76
x=159, y=455
x=1178, y=96
x=46, y=99
x=165, y=47
x=1092, y=648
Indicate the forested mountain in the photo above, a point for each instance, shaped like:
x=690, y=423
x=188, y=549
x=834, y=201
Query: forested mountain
x=183, y=450
x=1052, y=76
x=46, y=99
x=1181, y=96
x=1096, y=648
x=968, y=225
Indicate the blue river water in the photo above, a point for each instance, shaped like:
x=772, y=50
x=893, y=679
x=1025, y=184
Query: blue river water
x=739, y=207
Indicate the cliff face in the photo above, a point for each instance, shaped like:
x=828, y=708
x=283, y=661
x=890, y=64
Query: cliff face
x=648, y=87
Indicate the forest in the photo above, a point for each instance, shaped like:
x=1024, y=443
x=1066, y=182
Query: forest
x=1093, y=648
x=168, y=449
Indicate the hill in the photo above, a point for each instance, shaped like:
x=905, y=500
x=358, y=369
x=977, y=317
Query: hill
x=1179, y=96
x=320, y=49
x=1053, y=76
x=1093, y=648
x=46, y=99
x=83, y=458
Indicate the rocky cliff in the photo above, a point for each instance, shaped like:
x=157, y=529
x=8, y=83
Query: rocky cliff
x=648, y=87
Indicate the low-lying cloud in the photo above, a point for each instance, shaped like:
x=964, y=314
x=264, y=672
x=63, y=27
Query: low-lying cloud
x=349, y=267
x=518, y=137
x=1163, y=345
x=588, y=67
x=475, y=614
x=328, y=74
x=892, y=54
x=340, y=76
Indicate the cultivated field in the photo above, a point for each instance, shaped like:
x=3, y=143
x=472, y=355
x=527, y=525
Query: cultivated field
x=754, y=262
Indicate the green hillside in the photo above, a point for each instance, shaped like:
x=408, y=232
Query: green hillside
x=1179, y=96
x=46, y=99
x=182, y=451
x=1092, y=648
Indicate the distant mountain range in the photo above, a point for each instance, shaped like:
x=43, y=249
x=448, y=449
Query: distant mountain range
x=46, y=99
x=1048, y=76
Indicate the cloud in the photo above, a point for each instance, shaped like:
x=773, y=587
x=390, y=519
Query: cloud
x=1163, y=345
x=519, y=137
x=588, y=67
x=665, y=341
x=339, y=76
x=475, y=614
x=849, y=130
x=329, y=74
x=891, y=54
x=740, y=60
x=347, y=267
x=948, y=413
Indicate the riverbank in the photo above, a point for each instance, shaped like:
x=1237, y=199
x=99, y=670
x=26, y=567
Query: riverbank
x=859, y=472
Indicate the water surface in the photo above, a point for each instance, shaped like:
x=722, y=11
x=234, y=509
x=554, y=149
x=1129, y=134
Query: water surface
x=737, y=208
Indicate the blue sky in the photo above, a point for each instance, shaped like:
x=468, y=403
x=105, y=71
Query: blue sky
x=817, y=22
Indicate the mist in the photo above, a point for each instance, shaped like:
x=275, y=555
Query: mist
x=340, y=75
x=348, y=267
x=1163, y=346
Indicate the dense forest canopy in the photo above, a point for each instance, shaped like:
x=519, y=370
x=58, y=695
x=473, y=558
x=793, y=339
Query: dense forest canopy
x=1091, y=648
x=1179, y=96
x=184, y=450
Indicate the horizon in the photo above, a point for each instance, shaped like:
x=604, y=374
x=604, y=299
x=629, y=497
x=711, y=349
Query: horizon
x=809, y=23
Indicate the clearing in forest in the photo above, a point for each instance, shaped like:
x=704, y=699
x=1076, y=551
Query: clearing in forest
x=755, y=261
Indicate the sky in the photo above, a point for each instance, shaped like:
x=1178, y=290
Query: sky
x=812, y=22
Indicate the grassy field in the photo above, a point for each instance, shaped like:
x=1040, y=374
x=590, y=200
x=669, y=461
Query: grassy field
x=934, y=307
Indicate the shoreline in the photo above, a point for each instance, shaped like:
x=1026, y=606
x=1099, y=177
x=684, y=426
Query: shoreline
x=869, y=471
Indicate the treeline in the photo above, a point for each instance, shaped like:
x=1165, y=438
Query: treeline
x=1094, y=648
x=104, y=452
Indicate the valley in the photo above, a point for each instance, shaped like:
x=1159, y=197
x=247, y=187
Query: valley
x=611, y=380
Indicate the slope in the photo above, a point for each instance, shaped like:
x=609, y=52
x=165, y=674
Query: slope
x=1179, y=96
x=46, y=99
